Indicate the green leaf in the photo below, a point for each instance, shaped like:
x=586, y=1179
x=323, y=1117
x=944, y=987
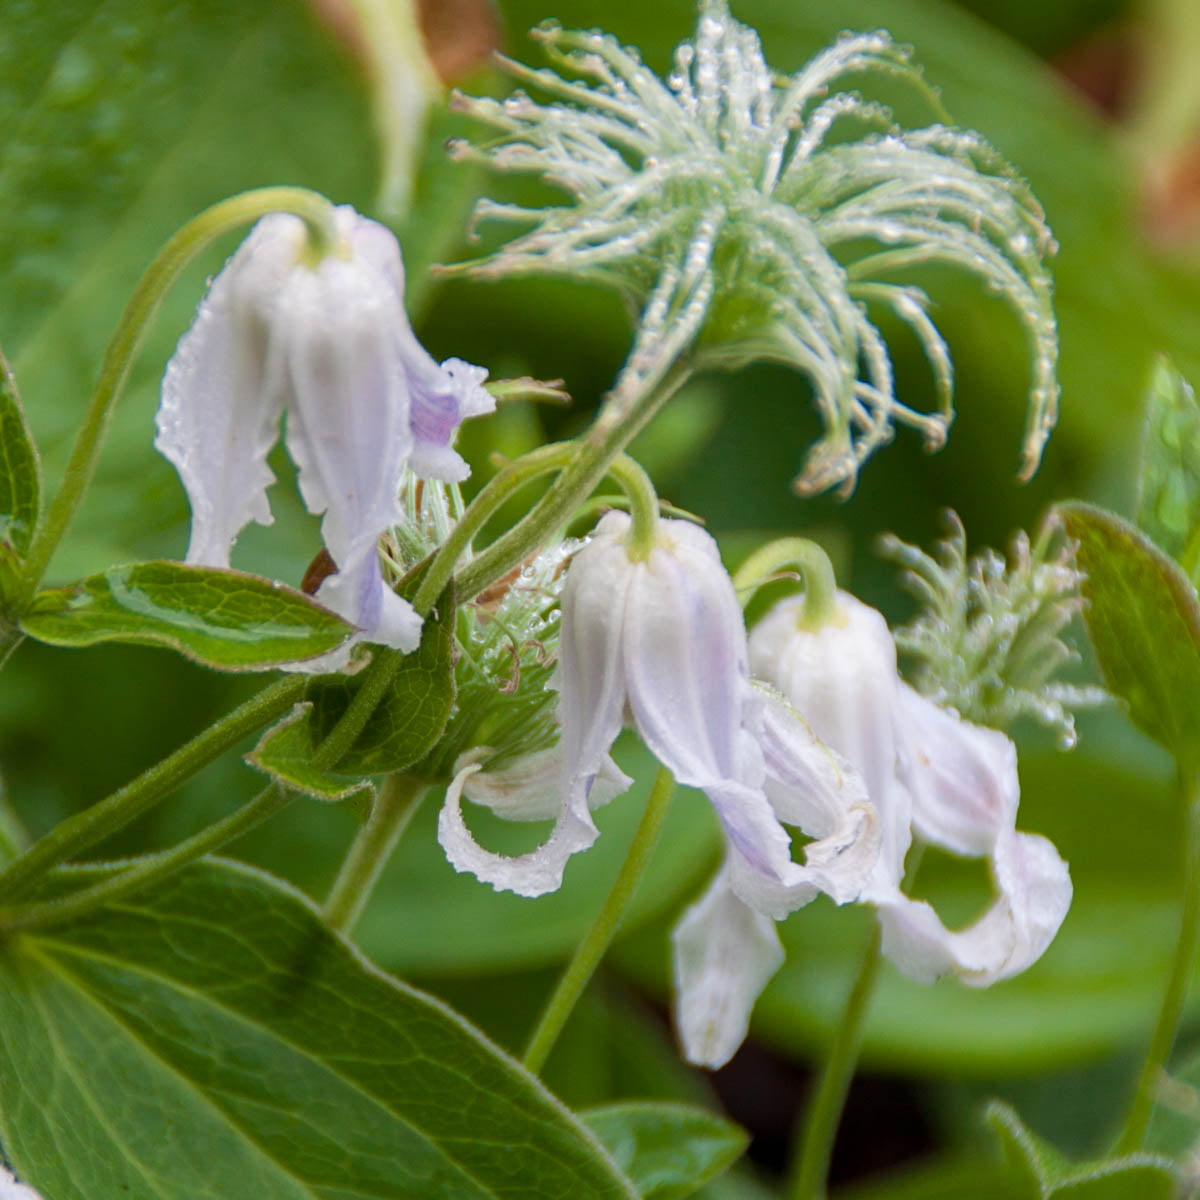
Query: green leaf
x=1168, y=506
x=20, y=469
x=1175, y=1120
x=285, y=753
x=667, y=1150
x=413, y=714
x=211, y=1038
x=223, y=619
x=1144, y=620
x=1048, y=1173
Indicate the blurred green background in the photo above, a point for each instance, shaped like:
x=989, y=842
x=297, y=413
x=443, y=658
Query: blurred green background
x=119, y=120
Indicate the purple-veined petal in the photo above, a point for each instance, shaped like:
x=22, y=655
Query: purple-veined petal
x=530, y=787
x=962, y=777
x=442, y=398
x=724, y=952
x=224, y=390
x=1034, y=893
x=841, y=678
x=531, y=874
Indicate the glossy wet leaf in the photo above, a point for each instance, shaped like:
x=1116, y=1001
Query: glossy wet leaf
x=413, y=713
x=1048, y=1173
x=667, y=1150
x=1143, y=618
x=211, y=1038
x=1168, y=507
x=285, y=753
x=20, y=469
x=223, y=619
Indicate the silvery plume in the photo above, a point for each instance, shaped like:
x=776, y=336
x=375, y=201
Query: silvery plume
x=988, y=640
x=747, y=215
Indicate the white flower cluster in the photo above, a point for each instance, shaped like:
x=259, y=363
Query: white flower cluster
x=747, y=216
x=794, y=727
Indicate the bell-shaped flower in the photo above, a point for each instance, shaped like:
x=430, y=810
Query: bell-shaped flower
x=929, y=773
x=658, y=642
x=326, y=340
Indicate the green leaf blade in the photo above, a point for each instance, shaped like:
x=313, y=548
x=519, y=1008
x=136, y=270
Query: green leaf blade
x=224, y=619
x=668, y=1150
x=1144, y=620
x=1168, y=505
x=20, y=469
x=211, y=1038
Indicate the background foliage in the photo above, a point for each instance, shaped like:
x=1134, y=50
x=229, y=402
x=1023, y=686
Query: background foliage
x=121, y=118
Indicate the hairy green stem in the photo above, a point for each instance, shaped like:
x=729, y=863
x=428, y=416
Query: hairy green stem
x=393, y=809
x=195, y=236
x=1182, y=970
x=820, y=584
x=592, y=949
x=643, y=506
x=124, y=805
x=153, y=867
x=624, y=415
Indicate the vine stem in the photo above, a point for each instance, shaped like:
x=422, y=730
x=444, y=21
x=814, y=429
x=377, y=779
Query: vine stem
x=316, y=212
x=820, y=584
x=823, y=1114
x=591, y=950
x=1182, y=969
x=122, y=806
x=391, y=813
x=824, y=1111
x=153, y=867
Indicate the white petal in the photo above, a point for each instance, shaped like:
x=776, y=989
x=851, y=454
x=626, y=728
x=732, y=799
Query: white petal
x=962, y=777
x=530, y=787
x=1034, y=889
x=10, y=1189
x=841, y=678
x=223, y=393
x=725, y=953
x=531, y=874
x=358, y=593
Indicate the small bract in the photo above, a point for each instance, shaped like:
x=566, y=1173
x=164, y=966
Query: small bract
x=326, y=340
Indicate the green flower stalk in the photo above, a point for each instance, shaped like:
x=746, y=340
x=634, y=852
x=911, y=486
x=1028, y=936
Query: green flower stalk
x=742, y=222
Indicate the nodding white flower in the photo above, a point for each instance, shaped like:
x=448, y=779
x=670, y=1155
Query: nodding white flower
x=951, y=783
x=747, y=214
x=328, y=341
x=10, y=1189
x=658, y=642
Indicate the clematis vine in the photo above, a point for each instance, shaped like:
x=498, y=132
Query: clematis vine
x=325, y=339
x=654, y=636
x=931, y=774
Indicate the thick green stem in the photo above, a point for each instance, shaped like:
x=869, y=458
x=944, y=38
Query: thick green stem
x=820, y=584
x=194, y=237
x=97, y=822
x=154, y=867
x=592, y=949
x=625, y=414
x=824, y=1111
x=393, y=809
x=1182, y=970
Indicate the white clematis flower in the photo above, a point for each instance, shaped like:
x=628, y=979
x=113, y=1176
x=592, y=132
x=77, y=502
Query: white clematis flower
x=659, y=643
x=328, y=342
x=951, y=783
